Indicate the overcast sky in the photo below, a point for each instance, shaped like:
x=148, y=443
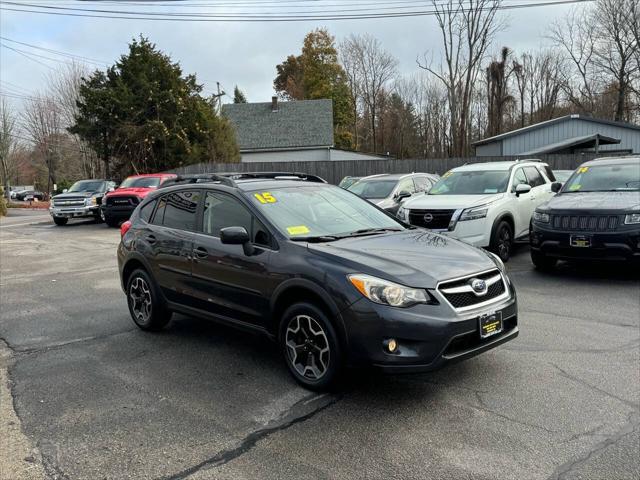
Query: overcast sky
x=231, y=53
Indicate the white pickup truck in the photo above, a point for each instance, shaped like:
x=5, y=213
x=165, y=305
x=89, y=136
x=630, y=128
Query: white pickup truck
x=485, y=204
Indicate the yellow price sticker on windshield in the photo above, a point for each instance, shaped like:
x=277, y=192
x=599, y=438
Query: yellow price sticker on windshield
x=265, y=197
x=298, y=230
x=583, y=170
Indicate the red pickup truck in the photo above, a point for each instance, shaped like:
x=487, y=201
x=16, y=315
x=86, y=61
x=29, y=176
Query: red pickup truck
x=118, y=205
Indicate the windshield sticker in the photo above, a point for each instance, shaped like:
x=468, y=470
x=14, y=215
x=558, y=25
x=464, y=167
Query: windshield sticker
x=298, y=230
x=577, y=186
x=490, y=190
x=265, y=197
x=583, y=170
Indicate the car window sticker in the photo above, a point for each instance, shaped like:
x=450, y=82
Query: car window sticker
x=265, y=197
x=298, y=230
x=575, y=186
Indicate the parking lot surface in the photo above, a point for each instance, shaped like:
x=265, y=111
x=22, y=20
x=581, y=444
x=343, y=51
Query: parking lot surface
x=93, y=397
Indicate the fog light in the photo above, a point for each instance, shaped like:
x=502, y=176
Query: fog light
x=391, y=345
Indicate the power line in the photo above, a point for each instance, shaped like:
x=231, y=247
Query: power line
x=57, y=52
x=244, y=17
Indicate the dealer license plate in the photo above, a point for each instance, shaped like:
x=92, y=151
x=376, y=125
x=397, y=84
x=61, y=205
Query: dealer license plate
x=490, y=324
x=581, y=241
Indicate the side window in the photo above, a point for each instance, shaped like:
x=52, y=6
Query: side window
x=518, y=179
x=422, y=184
x=146, y=211
x=406, y=184
x=534, y=177
x=178, y=210
x=221, y=211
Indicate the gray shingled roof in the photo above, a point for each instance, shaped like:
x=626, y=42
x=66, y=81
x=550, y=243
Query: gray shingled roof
x=298, y=124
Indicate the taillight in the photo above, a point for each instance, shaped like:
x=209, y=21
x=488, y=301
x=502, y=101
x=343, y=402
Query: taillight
x=124, y=228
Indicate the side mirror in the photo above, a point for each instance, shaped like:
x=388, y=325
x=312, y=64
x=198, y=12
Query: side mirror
x=522, y=188
x=65, y=190
x=555, y=187
x=402, y=195
x=237, y=236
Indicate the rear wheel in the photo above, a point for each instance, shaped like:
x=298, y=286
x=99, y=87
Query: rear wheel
x=542, y=262
x=310, y=347
x=60, y=221
x=146, y=307
x=502, y=241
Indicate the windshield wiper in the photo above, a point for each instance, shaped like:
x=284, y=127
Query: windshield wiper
x=316, y=238
x=365, y=231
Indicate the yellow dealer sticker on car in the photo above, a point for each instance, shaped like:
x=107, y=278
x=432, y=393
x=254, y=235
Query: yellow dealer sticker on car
x=298, y=230
x=583, y=170
x=577, y=186
x=265, y=197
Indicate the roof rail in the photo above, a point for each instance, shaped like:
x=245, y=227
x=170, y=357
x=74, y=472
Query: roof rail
x=274, y=176
x=200, y=178
x=529, y=160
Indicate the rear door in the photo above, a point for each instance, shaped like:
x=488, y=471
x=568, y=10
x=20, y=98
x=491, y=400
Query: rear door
x=227, y=282
x=170, y=239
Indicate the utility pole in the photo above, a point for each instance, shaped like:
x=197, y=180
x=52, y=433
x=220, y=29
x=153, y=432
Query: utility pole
x=218, y=98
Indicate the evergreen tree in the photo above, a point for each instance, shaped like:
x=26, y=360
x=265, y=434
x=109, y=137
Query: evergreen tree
x=147, y=114
x=239, y=96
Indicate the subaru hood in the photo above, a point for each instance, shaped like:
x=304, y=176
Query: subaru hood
x=416, y=258
x=450, y=202
x=593, y=201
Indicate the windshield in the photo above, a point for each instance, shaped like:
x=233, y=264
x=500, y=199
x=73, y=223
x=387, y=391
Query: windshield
x=471, y=183
x=604, y=178
x=311, y=211
x=373, y=188
x=140, y=182
x=87, y=186
x=562, y=175
x=346, y=182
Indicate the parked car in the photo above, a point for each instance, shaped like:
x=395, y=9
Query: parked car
x=562, y=175
x=327, y=275
x=26, y=195
x=120, y=203
x=82, y=200
x=390, y=190
x=595, y=215
x=346, y=182
x=484, y=204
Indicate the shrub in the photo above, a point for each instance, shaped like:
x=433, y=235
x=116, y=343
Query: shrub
x=3, y=203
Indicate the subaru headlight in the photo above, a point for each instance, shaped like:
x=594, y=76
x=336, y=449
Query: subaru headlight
x=403, y=214
x=540, y=217
x=632, y=219
x=474, y=213
x=388, y=293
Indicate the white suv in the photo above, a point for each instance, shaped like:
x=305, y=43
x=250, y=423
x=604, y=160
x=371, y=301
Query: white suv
x=484, y=204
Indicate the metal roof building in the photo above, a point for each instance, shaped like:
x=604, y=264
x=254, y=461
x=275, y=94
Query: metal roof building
x=568, y=134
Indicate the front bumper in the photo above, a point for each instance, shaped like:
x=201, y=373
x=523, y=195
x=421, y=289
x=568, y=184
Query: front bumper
x=428, y=336
x=619, y=245
x=120, y=212
x=74, y=212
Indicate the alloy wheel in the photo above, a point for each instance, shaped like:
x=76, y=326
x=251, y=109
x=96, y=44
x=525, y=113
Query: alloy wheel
x=307, y=347
x=504, y=243
x=140, y=298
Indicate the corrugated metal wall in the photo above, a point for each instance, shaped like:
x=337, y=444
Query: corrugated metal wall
x=545, y=135
x=333, y=171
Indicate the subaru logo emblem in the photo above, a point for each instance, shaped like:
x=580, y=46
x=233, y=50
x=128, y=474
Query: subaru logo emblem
x=479, y=286
x=428, y=218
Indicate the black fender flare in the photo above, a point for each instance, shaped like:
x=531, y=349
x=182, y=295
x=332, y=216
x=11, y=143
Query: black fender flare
x=500, y=218
x=138, y=258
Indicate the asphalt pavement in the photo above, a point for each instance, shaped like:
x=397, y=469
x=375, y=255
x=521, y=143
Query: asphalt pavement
x=84, y=394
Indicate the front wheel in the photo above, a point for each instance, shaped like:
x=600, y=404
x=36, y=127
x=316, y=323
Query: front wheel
x=502, y=241
x=99, y=216
x=60, y=221
x=542, y=262
x=146, y=307
x=310, y=347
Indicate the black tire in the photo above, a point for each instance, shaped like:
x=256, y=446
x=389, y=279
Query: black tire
x=147, y=308
x=542, y=262
x=502, y=241
x=111, y=222
x=60, y=221
x=308, y=328
x=99, y=216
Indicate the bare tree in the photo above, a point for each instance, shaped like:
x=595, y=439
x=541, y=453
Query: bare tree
x=350, y=59
x=43, y=122
x=467, y=28
x=376, y=68
x=7, y=144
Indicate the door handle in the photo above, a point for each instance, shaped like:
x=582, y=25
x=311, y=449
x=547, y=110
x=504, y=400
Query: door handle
x=201, y=252
x=151, y=239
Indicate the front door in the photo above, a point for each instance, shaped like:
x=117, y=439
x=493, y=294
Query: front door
x=524, y=202
x=227, y=282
